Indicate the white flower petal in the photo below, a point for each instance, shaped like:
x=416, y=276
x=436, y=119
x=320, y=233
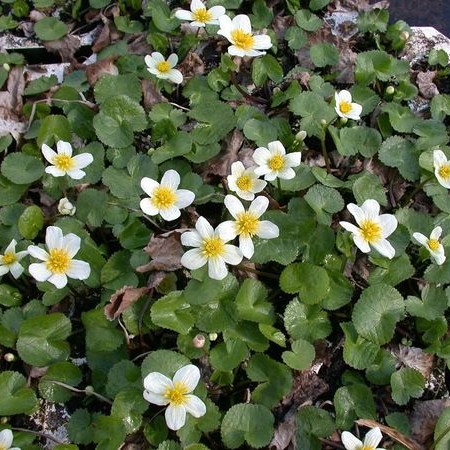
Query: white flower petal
x=246, y=246
x=217, y=11
x=157, y=383
x=20, y=255
x=236, y=51
x=184, y=198
x=226, y=26
x=3, y=270
x=148, y=185
x=350, y=442
x=157, y=57
x=356, y=212
x=175, y=417
x=270, y=176
x=148, y=207
x=388, y=224
x=197, y=4
x=355, y=112
x=204, y=228
x=259, y=185
x=171, y=213
x=12, y=247
x=437, y=255
x=182, y=14
x=293, y=159
x=193, y=259
x=234, y=205
x=37, y=252
x=71, y=243
x=420, y=238
x=439, y=158
x=79, y=270
x=261, y=155
x=262, y=42
x=64, y=148
x=83, y=160
x=349, y=227
x=188, y=375
x=156, y=399
x=371, y=209
x=150, y=62
x=436, y=233
x=259, y=206
x=254, y=53
x=373, y=437
x=191, y=239
x=343, y=96
x=54, y=238
x=6, y=438
x=48, y=153
x=276, y=148
x=58, y=279
x=195, y=406
x=242, y=22
x=232, y=255
x=76, y=174
x=54, y=171
x=287, y=174
x=16, y=270
x=172, y=60
x=175, y=76
x=361, y=243
x=384, y=248
x=227, y=230
x=268, y=230
x=217, y=270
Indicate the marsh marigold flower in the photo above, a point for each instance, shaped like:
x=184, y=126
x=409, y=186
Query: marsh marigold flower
x=164, y=68
x=344, y=106
x=58, y=262
x=373, y=228
x=244, y=181
x=441, y=168
x=371, y=440
x=175, y=393
x=9, y=261
x=199, y=15
x=6, y=440
x=432, y=244
x=239, y=32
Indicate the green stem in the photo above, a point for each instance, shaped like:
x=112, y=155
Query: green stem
x=325, y=154
x=83, y=391
x=280, y=191
x=440, y=437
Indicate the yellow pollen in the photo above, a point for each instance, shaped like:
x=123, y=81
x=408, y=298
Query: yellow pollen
x=367, y=447
x=276, y=162
x=444, y=171
x=59, y=261
x=247, y=223
x=202, y=15
x=370, y=231
x=163, y=66
x=7, y=259
x=163, y=197
x=433, y=244
x=212, y=247
x=63, y=162
x=176, y=394
x=3, y=447
x=244, y=183
x=345, y=107
x=242, y=39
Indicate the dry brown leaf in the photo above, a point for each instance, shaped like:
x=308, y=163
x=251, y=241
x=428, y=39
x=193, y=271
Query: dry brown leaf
x=424, y=417
x=15, y=86
x=123, y=299
x=152, y=95
x=100, y=68
x=425, y=84
x=107, y=36
x=192, y=65
x=307, y=386
x=415, y=358
x=284, y=434
x=65, y=47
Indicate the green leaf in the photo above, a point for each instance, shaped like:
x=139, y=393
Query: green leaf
x=380, y=371
x=273, y=334
x=16, y=398
x=108, y=432
x=430, y=306
x=163, y=361
x=10, y=192
x=432, y=133
x=127, y=84
x=367, y=186
x=296, y=38
x=309, y=281
x=376, y=313
x=401, y=117
x=307, y=20
x=354, y=140
x=42, y=84
x=21, y=168
x=324, y=201
x=252, y=304
x=315, y=421
x=178, y=145
x=128, y=406
x=117, y=272
x=123, y=375
x=42, y=341
x=406, y=383
x=324, y=54
x=261, y=131
x=10, y=296
x=50, y=29
x=228, y=355
x=301, y=356
x=54, y=128
x=392, y=271
x=315, y=5
x=247, y=423
x=79, y=427
x=85, y=211
x=266, y=66
x=64, y=372
x=31, y=222
x=101, y=334
x=442, y=431
x=440, y=106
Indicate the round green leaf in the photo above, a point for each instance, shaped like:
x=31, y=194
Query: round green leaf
x=31, y=222
x=301, y=356
x=21, y=168
x=50, y=29
x=324, y=54
x=16, y=398
x=9, y=295
x=163, y=361
x=64, y=372
x=406, y=383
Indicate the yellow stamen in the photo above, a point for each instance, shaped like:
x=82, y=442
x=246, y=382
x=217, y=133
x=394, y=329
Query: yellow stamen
x=163, y=197
x=444, y=171
x=368, y=447
x=247, y=223
x=244, y=182
x=63, y=162
x=433, y=244
x=242, y=39
x=202, y=15
x=345, y=107
x=3, y=447
x=371, y=231
x=7, y=259
x=212, y=247
x=59, y=261
x=176, y=394
x=276, y=162
x=163, y=66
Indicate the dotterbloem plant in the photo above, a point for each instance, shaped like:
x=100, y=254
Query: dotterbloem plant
x=199, y=15
x=9, y=261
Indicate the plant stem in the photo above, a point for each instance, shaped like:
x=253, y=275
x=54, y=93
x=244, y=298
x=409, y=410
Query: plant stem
x=39, y=433
x=83, y=391
x=280, y=191
x=325, y=155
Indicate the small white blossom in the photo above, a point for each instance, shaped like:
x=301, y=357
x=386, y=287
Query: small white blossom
x=441, y=168
x=6, y=440
x=432, y=244
x=164, y=198
x=176, y=393
x=199, y=15
x=247, y=223
x=371, y=440
x=63, y=161
x=58, y=263
x=344, y=106
x=162, y=68
x=274, y=163
x=244, y=181
x=239, y=32
x=66, y=208
x=9, y=261
x=210, y=248
x=373, y=228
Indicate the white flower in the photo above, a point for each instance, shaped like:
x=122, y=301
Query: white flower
x=66, y=208
x=6, y=439
x=239, y=32
x=63, y=161
x=432, y=245
x=199, y=15
x=244, y=181
x=441, y=168
x=344, y=106
x=58, y=263
x=273, y=161
x=211, y=248
x=371, y=440
x=247, y=223
x=9, y=261
x=162, y=68
x=165, y=199
x=176, y=393
x=373, y=228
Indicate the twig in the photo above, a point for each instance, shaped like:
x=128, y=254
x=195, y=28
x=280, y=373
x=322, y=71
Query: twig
x=39, y=433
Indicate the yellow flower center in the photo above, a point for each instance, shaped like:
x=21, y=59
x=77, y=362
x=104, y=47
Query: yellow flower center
x=176, y=394
x=444, y=171
x=371, y=231
x=433, y=244
x=345, y=107
x=276, y=162
x=7, y=259
x=212, y=247
x=247, y=223
x=244, y=182
x=3, y=447
x=63, y=162
x=59, y=261
x=164, y=197
x=367, y=447
x=242, y=39
x=163, y=66
x=202, y=15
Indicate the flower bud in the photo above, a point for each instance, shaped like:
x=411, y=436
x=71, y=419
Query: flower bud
x=9, y=357
x=323, y=122
x=66, y=208
x=213, y=336
x=199, y=341
x=7, y=67
x=404, y=35
x=390, y=90
x=344, y=120
x=4, y=420
x=89, y=390
x=300, y=136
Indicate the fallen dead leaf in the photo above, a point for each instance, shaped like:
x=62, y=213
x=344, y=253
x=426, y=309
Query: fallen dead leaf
x=15, y=86
x=123, y=299
x=192, y=65
x=415, y=358
x=425, y=84
x=152, y=95
x=65, y=47
x=100, y=68
x=424, y=417
x=284, y=434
